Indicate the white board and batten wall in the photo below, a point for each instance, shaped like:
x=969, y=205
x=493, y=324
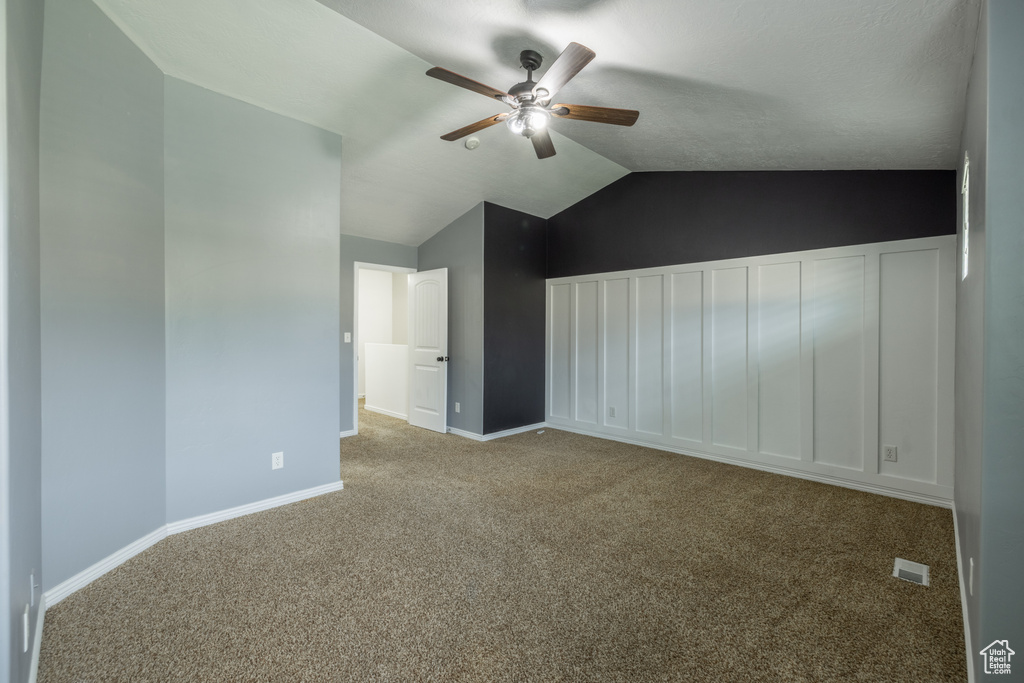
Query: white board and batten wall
x=802, y=363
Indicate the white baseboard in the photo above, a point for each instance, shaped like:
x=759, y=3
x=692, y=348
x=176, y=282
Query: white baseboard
x=463, y=433
x=87, y=576
x=496, y=435
x=348, y=433
x=764, y=467
x=963, y=598
x=389, y=413
x=248, y=509
x=112, y=561
x=33, y=667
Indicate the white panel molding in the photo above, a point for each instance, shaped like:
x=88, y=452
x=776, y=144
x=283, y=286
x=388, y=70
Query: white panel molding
x=872, y=359
x=785, y=312
x=114, y=560
x=559, y=344
x=927, y=495
x=496, y=435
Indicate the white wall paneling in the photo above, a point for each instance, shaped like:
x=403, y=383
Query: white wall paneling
x=586, y=334
x=908, y=349
x=805, y=363
x=560, y=356
x=616, y=358
x=729, y=357
x=778, y=358
x=686, y=356
x=837, y=318
x=649, y=378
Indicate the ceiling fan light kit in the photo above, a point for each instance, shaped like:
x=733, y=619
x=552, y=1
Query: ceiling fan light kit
x=531, y=102
x=528, y=120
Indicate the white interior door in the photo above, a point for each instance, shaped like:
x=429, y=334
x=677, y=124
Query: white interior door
x=428, y=349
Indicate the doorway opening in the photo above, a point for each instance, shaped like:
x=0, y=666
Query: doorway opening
x=380, y=358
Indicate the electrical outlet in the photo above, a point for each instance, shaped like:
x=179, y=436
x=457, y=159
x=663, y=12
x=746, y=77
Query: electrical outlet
x=277, y=460
x=348, y=337
x=458, y=408
x=611, y=411
x=889, y=453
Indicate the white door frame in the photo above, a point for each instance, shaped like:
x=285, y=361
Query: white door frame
x=355, y=329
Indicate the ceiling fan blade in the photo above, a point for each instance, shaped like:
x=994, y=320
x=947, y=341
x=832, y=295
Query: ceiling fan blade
x=543, y=145
x=474, y=127
x=568, y=64
x=580, y=112
x=467, y=83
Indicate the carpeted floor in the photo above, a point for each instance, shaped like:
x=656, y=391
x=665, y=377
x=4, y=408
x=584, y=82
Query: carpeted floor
x=538, y=557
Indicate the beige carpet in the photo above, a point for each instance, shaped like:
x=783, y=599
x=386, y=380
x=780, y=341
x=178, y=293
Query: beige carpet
x=539, y=557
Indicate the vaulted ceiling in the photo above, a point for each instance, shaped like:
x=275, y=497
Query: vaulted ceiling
x=720, y=84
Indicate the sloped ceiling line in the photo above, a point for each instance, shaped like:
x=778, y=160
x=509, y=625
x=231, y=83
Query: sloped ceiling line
x=728, y=85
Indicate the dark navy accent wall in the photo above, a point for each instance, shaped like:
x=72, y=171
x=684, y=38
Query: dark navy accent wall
x=666, y=218
x=514, y=265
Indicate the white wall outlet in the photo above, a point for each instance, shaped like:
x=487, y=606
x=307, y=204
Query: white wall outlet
x=348, y=337
x=889, y=453
x=611, y=411
x=458, y=408
x=277, y=460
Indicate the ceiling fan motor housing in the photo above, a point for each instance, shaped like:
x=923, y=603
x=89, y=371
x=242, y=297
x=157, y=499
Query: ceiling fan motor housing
x=530, y=59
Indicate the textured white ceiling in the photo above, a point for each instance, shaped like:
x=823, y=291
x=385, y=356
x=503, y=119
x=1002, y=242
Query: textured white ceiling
x=724, y=84
x=720, y=84
x=400, y=182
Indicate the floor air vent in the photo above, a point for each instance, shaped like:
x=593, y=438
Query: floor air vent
x=911, y=571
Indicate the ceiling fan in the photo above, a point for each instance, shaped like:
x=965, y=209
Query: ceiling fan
x=531, y=102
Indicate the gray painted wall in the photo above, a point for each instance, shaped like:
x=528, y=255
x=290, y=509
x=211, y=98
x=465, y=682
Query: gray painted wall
x=459, y=247
x=364, y=251
x=970, y=337
x=1002, y=483
x=21, y=469
x=989, y=395
x=253, y=316
x=102, y=252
